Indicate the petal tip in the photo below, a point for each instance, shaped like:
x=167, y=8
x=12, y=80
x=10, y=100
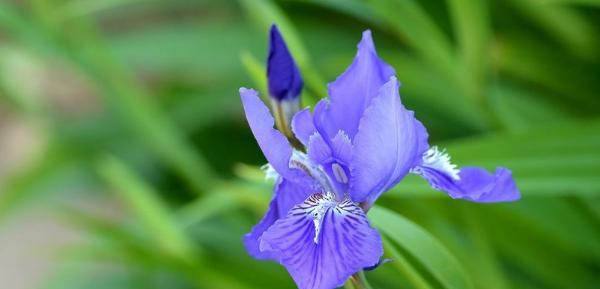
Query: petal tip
x=275, y=35
x=367, y=41
x=244, y=91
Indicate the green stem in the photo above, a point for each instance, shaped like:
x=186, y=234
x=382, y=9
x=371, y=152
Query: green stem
x=283, y=112
x=358, y=281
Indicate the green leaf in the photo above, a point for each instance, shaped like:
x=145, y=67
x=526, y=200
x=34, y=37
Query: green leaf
x=146, y=205
x=471, y=24
x=533, y=253
x=525, y=59
x=257, y=72
x=355, y=8
x=410, y=22
x=403, y=265
x=85, y=49
x=422, y=247
x=564, y=23
x=520, y=108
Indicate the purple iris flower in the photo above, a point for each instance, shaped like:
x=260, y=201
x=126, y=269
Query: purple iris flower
x=358, y=144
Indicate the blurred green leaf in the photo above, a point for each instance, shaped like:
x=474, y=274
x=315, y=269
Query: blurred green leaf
x=471, y=24
x=532, y=254
x=54, y=169
x=404, y=266
x=83, y=46
x=564, y=23
x=257, y=72
x=356, y=8
x=593, y=3
x=422, y=247
x=146, y=205
x=520, y=109
x=527, y=61
x=408, y=20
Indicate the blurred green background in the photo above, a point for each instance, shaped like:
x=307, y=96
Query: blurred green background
x=126, y=161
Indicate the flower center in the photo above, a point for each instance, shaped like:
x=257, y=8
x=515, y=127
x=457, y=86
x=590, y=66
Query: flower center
x=300, y=160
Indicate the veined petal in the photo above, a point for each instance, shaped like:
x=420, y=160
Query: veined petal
x=469, y=183
x=338, y=149
x=352, y=92
x=342, y=147
x=387, y=145
x=480, y=186
x=283, y=75
x=274, y=145
x=285, y=196
x=302, y=126
x=322, y=242
x=322, y=121
x=318, y=150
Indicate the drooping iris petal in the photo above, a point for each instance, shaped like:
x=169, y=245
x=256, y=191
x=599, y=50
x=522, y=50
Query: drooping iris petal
x=478, y=185
x=351, y=93
x=386, y=146
x=285, y=196
x=322, y=242
x=469, y=183
x=303, y=126
x=283, y=75
x=474, y=184
x=274, y=145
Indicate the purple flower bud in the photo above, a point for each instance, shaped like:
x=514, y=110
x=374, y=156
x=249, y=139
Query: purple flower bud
x=283, y=75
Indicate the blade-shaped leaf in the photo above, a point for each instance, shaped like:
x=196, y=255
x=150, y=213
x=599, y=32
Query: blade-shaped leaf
x=421, y=246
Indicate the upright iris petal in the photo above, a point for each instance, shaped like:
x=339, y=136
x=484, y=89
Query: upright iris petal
x=351, y=93
x=386, y=145
x=283, y=75
x=274, y=145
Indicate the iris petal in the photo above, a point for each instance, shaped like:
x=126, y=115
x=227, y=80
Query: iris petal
x=474, y=184
x=302, y=126
x=388, y=143
x=274, y=145
x=342, y=147
x=285, y=196
x=322, y=242
x=352, y=92
x=318, y=150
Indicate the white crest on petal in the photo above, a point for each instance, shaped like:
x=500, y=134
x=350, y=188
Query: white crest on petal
x=270, y=172
x=319, y=205
x=301, y=161
x=440, y=161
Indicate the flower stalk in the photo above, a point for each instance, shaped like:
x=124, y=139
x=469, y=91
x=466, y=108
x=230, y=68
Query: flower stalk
x=359, y=281
x=283, y=112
